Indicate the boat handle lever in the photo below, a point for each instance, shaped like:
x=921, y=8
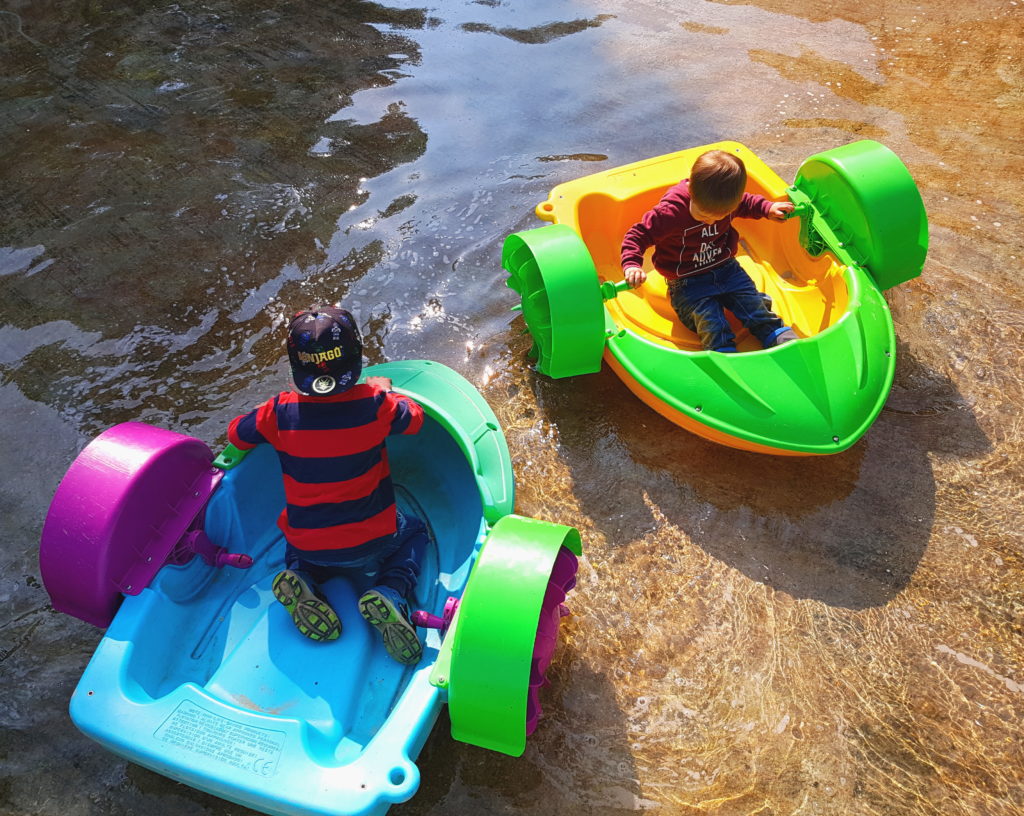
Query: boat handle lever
x=611, y=290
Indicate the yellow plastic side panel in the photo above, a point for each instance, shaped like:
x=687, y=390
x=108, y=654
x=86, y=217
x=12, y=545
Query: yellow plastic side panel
x=644, y=181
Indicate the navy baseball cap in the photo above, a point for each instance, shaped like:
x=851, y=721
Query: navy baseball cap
x=325, y=350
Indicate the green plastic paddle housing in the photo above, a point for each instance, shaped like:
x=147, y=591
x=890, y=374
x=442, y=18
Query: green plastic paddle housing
x=562, y=301
x=486, y=656
x=860, y=201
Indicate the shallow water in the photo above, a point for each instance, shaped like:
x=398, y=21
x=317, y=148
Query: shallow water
x=751, y=635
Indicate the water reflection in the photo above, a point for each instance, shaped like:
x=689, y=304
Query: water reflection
x=586, y=736
x=160, y=155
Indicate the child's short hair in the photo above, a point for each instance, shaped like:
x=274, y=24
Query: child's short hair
x=717, y=180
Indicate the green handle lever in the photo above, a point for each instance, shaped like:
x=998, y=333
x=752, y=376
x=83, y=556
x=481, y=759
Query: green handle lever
x=610, y=290
x=801, y=204
x=229, y=457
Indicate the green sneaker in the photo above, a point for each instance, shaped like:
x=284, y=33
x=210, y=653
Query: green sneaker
x=386, y=611
x=312, y=615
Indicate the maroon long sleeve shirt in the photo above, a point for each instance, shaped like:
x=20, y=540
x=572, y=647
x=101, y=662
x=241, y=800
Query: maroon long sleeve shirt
x=684, y=246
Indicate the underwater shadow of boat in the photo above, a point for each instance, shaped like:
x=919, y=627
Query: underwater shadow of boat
x=579, y=758
x=848, y=530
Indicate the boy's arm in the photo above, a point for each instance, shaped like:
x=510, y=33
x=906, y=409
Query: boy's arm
x=634, y=244
x=641, y=236
x=244, y=432
x=403, y=414
x=757, y=206
x=656, y=223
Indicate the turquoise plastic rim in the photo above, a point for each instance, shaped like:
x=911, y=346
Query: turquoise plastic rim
x=452, y=400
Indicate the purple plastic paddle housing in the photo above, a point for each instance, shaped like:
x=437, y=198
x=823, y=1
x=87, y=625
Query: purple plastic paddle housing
x=123, y=506
x=561, y=581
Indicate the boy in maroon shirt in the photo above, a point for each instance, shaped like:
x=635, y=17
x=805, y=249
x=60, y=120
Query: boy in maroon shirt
x=694, y=248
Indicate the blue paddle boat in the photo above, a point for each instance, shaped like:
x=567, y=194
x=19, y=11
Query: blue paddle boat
x=200, y=674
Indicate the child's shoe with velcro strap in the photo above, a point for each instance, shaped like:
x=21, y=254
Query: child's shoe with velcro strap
x=780, y=336
x=387, y=612
x=310, y=612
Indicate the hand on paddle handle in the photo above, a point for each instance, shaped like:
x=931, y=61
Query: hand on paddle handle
x=380, y=382
x=780, y=209
x=634, y=275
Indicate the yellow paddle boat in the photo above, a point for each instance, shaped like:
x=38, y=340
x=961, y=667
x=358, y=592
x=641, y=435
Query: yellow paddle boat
x=859, y=227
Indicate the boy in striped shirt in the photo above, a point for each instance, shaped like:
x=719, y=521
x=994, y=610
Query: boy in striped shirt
x=340, y=515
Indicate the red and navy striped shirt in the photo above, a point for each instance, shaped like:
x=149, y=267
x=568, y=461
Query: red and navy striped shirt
x=337, y=483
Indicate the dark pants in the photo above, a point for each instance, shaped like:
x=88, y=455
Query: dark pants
x=700, y=302
x=394, y=563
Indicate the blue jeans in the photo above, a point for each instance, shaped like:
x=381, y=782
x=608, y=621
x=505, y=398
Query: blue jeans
x=700, y=302
x=392, y=561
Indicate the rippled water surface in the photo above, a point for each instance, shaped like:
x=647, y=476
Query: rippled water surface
x=752, y=635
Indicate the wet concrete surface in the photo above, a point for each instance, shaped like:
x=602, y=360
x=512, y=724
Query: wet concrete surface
x=751, y=635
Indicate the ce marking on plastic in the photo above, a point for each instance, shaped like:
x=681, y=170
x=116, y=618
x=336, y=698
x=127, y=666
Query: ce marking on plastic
x=264, y=767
